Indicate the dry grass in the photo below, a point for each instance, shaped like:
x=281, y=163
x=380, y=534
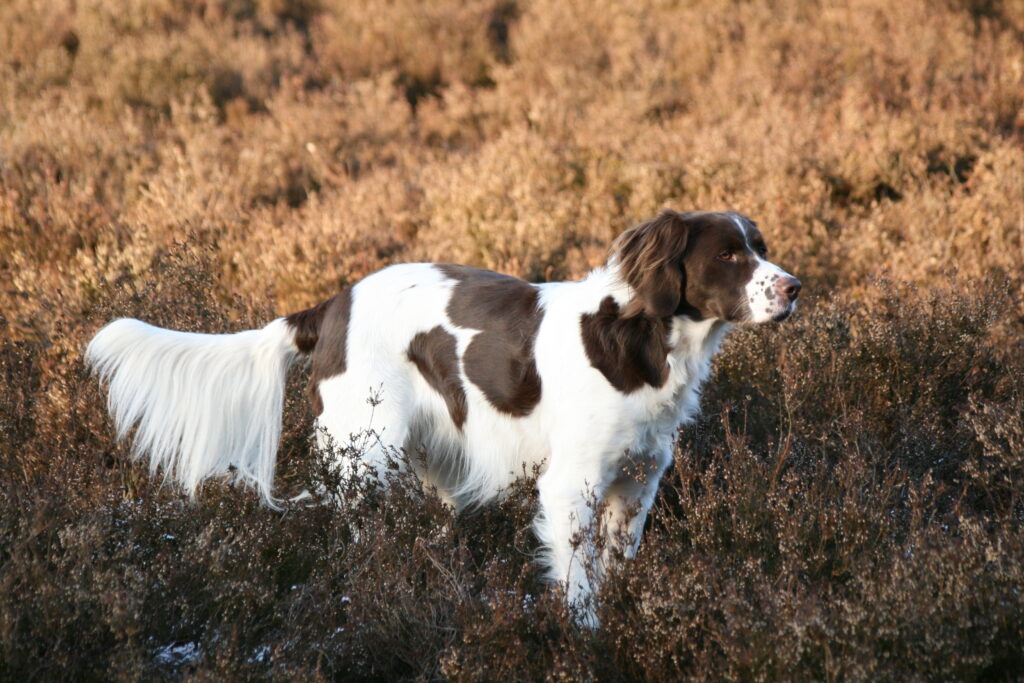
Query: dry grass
x=849, y=507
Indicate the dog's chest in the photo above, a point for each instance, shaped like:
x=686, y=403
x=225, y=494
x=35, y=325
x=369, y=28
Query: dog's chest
x=689, y=365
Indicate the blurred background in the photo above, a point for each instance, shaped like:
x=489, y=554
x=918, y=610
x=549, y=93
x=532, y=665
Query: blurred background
x=310, y=142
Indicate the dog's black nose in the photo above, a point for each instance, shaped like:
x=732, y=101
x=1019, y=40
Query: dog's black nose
x=788, y=287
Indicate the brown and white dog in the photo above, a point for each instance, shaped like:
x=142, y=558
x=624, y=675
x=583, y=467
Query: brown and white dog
x=481, y=375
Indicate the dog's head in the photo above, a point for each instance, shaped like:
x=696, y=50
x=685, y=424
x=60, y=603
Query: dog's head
x=703, y=265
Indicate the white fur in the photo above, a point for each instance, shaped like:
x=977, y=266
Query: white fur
x=764, y=300
x=201, y=403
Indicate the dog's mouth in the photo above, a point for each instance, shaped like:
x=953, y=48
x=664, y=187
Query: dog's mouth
x=785, y=313
x=747, y=316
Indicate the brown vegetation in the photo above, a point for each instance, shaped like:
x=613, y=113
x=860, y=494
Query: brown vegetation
x=850, y=504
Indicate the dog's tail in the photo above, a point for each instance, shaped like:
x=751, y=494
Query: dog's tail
x=202, y=404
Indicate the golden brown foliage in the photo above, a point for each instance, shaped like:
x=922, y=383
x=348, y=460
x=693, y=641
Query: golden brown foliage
x=851, y=506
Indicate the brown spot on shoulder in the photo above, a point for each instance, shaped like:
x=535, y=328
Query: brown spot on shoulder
x=630, y=351
x=500, y=358
x=434, y=354
x=329, y=352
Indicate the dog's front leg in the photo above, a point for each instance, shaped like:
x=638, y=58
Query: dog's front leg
x=628, y=500
x=569, y=493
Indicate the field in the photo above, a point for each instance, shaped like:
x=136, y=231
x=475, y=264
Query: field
x=850, y=505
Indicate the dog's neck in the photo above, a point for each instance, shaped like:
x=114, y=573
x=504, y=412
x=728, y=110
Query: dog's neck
x=686, y=336
x=607, y=281
x=697, y=338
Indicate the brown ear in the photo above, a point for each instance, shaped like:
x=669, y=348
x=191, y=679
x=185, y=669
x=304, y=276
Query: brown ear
x=650, y=261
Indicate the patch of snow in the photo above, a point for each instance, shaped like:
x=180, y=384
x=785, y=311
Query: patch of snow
x=259, y=654
x=177, y=654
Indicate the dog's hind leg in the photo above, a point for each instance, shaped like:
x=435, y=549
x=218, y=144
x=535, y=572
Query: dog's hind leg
x=365, y=429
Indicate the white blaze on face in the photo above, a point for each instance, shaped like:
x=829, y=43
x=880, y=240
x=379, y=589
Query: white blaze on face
x=766, y=302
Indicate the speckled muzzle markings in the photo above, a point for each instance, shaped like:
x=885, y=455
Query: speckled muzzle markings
x=771, y=293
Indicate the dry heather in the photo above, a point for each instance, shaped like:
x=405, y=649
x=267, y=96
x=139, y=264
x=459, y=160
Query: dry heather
x=849, y=507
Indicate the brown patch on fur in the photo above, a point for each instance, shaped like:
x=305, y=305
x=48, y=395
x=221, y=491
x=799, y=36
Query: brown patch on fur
x=307, y=325
x=434, y=354
x=716, y=288
x=650, y=261
x=323, y=330
x=500, y=358
x=630, y=351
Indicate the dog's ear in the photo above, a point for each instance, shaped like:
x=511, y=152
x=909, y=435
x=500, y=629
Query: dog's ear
x=650, y=261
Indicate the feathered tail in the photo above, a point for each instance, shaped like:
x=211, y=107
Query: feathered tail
x=202, y=404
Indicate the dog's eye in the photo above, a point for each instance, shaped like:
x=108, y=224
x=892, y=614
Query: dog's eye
x=763, y=251
x=727, y=255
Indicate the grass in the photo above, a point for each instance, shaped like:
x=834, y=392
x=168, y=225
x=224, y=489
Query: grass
x=849, y=505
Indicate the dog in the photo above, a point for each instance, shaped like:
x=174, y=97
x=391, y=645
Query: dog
x=483, y=375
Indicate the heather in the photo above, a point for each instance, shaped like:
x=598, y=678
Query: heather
x=849, y=504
